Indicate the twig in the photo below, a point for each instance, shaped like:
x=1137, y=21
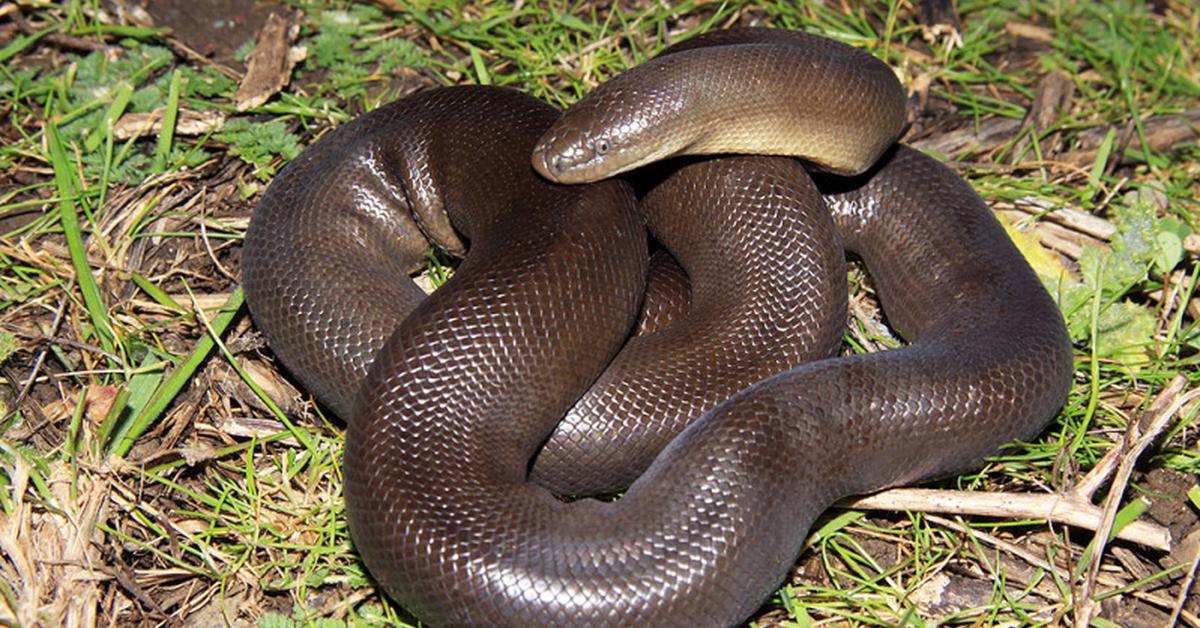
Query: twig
x=1087, y=487
x=994, y=541
x=1183, y=592
x=1157, y=416
x=1067, y=509
x=58, y=39
x=980, y=138
x=1075, y=219
x=67, y=342
x=212, y=256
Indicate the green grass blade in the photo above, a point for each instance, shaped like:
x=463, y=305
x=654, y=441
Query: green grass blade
x=19, y=44
x=64, y=177
x=178, y=378
x=154, y=292
x=104, y=130
x=162, y=151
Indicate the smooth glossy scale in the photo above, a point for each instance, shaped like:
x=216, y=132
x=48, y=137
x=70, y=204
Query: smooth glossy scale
x=461, y=396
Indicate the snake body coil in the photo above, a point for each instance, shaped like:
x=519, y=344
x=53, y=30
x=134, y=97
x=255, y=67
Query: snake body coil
x=450, y=398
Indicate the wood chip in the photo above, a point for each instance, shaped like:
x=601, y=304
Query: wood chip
x=270, y=65
x=1162, y=132
x=1191, y=244
x=1075, y=219
x=989, y=134
x=1055, y=95
x=188, y=122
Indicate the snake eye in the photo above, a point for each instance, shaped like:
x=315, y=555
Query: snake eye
x=602, y=146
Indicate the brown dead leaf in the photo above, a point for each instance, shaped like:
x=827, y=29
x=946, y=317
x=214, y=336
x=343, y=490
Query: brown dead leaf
x=98, y=402
x=277, y=389
x=918, y=95
x=270, y=65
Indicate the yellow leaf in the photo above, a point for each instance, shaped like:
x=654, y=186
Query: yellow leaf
x=1046, y=264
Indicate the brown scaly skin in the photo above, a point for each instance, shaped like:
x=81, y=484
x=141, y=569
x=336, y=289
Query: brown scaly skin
x=460, y=396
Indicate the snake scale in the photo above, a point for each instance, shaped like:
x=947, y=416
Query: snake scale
x=731, y=420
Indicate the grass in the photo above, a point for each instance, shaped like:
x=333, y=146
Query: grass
x=156, y=465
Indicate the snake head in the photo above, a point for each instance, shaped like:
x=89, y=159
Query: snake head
x=623, y=124
x=570, y=157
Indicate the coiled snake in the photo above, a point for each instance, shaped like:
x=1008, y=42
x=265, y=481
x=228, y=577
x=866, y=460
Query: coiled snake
x=736, y=421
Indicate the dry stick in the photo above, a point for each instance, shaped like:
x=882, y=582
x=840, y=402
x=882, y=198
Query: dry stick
x=1068, y=509
x=1067, y=242
x=1074, y=508
x=1069, y=217
x=988, y=134
x=187, y=52
x=65, y=342
x=1087, y=487
x=212, y=256
x=1162, y=131
x=1162, y=409
x=58, y=39
x=1183, y=592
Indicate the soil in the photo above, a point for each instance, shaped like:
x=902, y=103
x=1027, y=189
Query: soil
x=214, y=28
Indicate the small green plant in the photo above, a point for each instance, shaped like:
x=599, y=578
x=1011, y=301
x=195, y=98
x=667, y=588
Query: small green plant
x=342, y=45
x=8, y=345
x=259, y=144
x=1096, y=308
x=94, y=82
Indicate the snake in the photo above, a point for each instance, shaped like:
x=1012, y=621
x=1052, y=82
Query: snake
x=481, y=417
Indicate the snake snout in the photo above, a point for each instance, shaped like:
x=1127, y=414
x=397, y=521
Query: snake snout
x=549, y=164
x=565, y=154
